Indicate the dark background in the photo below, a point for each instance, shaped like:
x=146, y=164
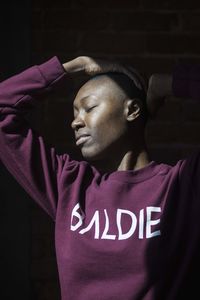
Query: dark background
x=152, y=36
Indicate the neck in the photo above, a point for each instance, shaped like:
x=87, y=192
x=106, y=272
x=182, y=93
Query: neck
x=132, y=159
x=132, y=162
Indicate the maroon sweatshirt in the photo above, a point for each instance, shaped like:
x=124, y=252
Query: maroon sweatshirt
x=126, y=235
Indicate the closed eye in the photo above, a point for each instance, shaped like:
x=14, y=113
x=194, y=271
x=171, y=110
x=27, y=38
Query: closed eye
x=90, y=108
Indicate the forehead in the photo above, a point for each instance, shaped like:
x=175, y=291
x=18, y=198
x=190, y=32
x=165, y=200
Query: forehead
x=99, y=88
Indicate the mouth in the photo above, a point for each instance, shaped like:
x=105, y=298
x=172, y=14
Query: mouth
x=82, y=139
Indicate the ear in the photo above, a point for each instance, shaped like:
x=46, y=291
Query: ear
x=133, y=109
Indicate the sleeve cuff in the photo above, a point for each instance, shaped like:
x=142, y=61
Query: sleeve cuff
x=52, y=70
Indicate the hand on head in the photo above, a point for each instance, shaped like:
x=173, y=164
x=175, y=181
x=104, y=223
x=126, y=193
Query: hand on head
x=159, y=87
x=93, y=66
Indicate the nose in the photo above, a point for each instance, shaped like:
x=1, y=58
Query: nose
x=77, y=123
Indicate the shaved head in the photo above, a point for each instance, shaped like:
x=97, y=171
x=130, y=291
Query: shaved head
x=122, y=84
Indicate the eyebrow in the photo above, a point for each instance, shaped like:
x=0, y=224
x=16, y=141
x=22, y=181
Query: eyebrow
x=84, y=99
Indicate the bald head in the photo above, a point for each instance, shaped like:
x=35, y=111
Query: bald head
x=120, y=85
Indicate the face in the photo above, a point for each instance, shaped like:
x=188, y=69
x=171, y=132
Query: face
x=99, y=119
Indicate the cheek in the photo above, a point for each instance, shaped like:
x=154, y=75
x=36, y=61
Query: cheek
x=105, y=132
x=108, y=128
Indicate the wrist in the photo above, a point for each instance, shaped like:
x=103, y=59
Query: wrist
x=160, y=85
x=74, y=65
x=166, y=84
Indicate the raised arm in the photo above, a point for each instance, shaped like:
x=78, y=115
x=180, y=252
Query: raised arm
x=183, y=82
x=23, y=151
x=35, y=165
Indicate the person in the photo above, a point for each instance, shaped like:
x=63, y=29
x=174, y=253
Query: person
x=126, y=227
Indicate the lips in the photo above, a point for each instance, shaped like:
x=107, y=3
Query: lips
x=81, y=139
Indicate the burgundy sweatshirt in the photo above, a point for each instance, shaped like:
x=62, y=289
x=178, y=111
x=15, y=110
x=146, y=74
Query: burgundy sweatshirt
x=126, y=235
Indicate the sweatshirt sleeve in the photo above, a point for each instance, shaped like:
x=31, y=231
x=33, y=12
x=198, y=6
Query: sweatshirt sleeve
x=186, y=81
x=34, y=165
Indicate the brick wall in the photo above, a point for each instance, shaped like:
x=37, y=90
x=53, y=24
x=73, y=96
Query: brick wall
x=151, y=35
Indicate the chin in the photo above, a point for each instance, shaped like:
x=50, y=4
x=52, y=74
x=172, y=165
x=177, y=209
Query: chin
x=92, y=155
